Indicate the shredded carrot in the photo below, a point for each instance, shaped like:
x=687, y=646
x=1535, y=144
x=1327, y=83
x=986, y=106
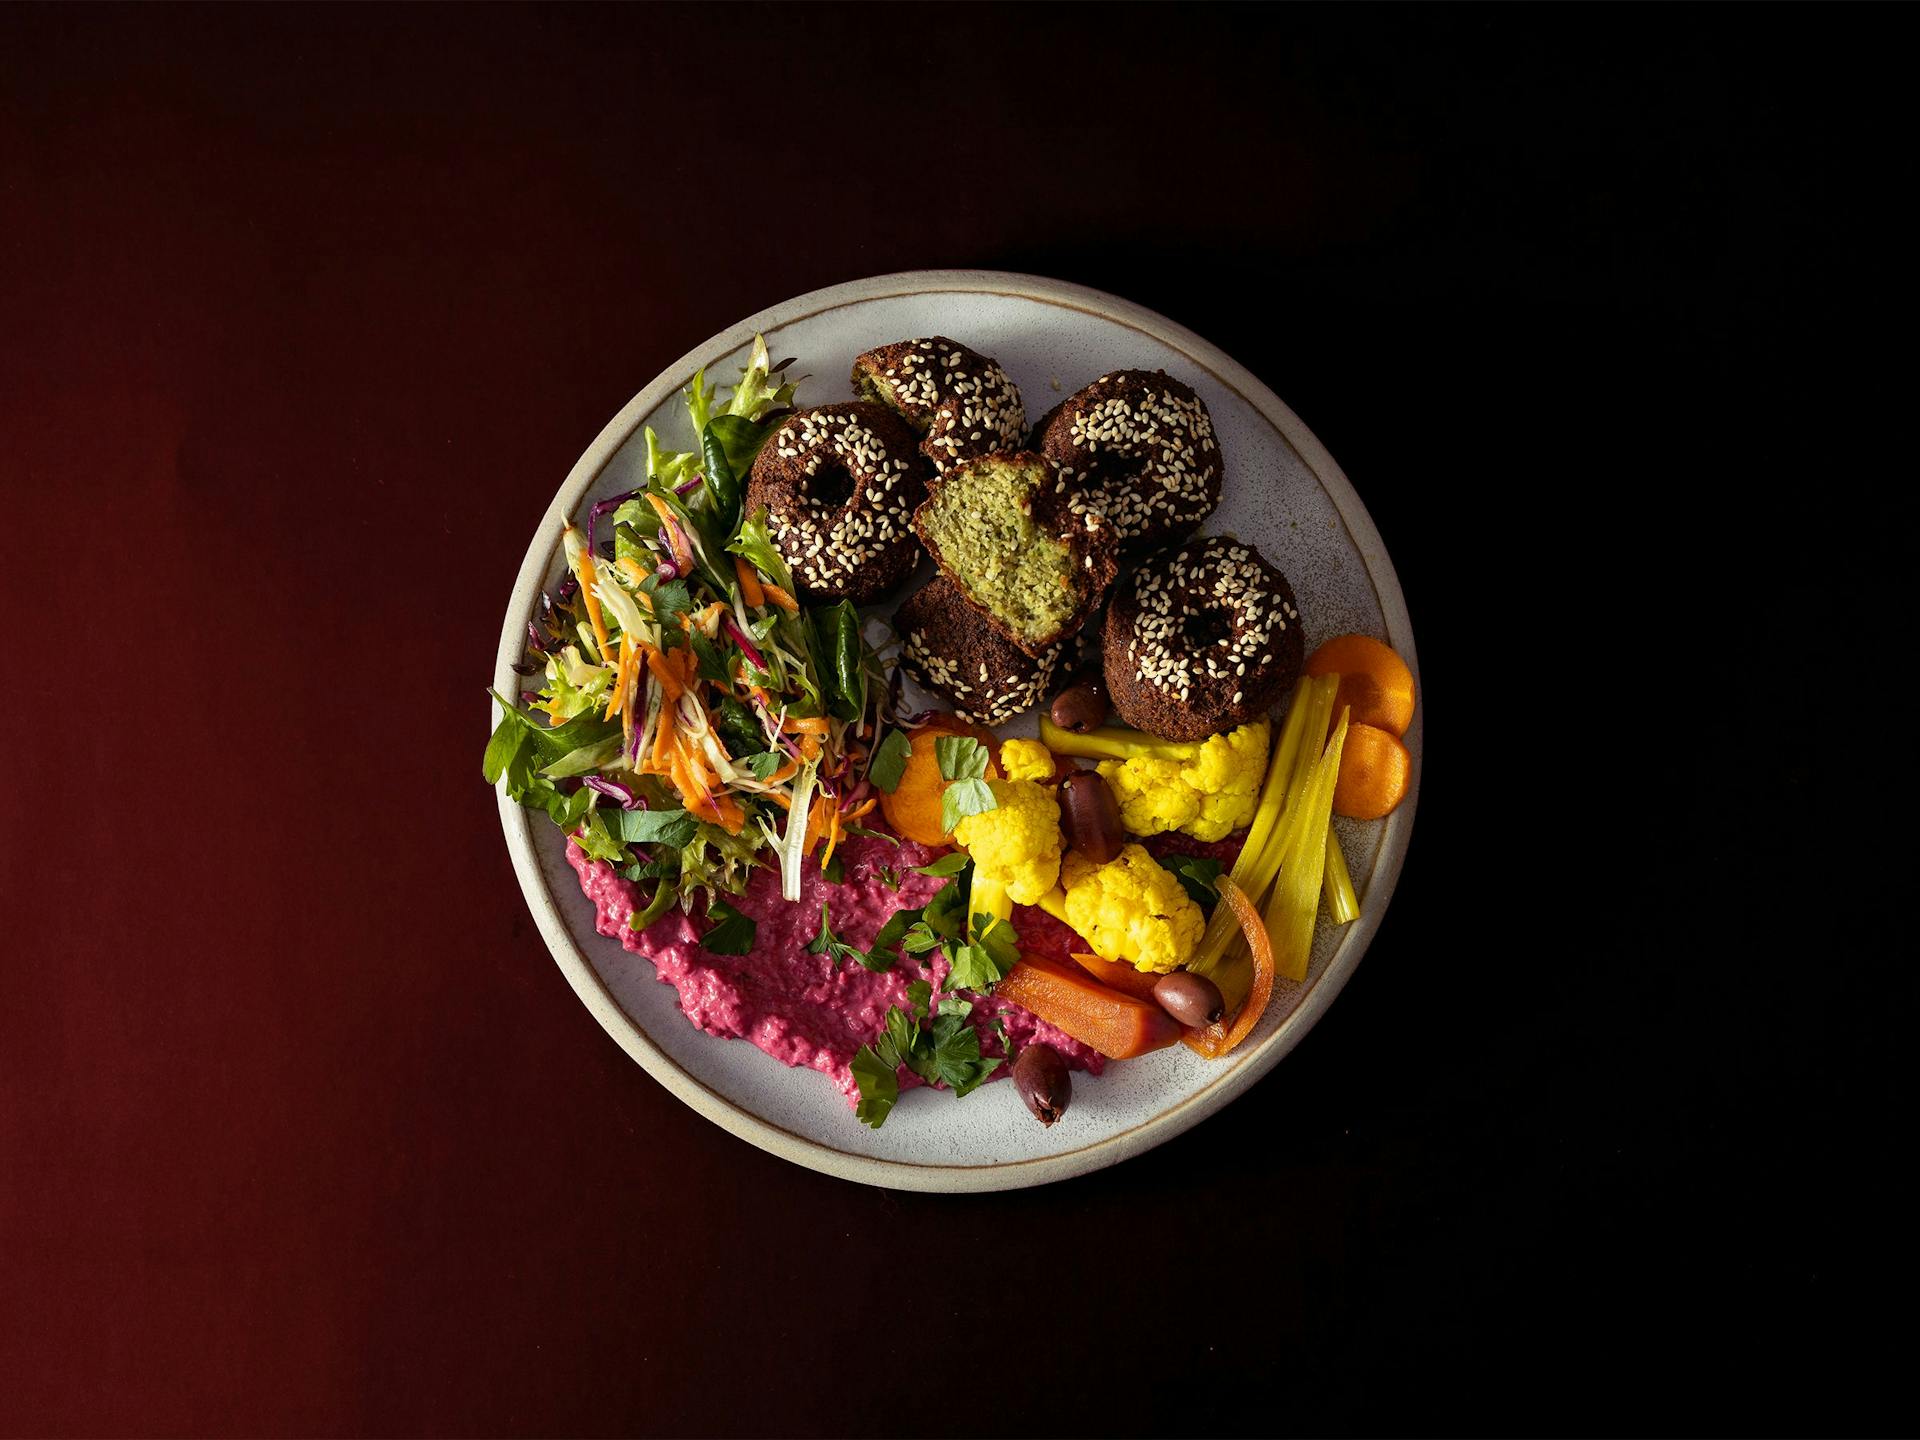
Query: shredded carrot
x=833, y=838
x=732, y=817
x=622, y=675
x=662, y=735
x=864, y=807
x=785, y=772
x=810, y=725
x=810, y=746
x=750, y=590
x=674, y=538
x=588, y=575
x=780, y=597
x=667, y=673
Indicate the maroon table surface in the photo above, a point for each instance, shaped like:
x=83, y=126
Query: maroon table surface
x=303, y=316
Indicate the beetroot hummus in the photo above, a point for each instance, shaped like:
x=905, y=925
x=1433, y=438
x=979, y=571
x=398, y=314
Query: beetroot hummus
x=795, y=1005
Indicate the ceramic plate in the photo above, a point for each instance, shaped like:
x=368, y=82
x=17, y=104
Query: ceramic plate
x=1283, y=493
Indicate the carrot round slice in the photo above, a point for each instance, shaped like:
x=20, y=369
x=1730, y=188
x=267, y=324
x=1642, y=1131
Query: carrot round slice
x=1374, y=770
x=1374, y=681
x=1217, y=1039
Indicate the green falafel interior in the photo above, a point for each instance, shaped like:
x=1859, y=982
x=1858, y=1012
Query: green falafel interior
x=979, y=521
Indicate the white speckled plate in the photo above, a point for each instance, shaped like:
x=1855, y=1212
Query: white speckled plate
x=1283, y=493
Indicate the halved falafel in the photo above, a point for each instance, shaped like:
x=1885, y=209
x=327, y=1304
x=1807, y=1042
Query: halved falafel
x=1202, y=637
x=960, y=400
x=946, y=649
x=1001, y=529
x=1140, y=445
x=840, y=483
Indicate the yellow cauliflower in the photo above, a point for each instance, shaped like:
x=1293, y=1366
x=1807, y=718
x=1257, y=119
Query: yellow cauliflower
x=1132, y=910
x=1017, y=843
x=1209, y=794
x=1025, y=760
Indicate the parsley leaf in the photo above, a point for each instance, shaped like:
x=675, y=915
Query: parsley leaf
x=1197, y=874
x=886, y=945
x=946, y=912
x=890, y=877
x=962, y=798
x=879, y=1085
x=670, y=599
x=835, y=870
x=713, y=665
x=946, y=865
x=731, y=933
x=762, y=764
x=956, y=1059
x=961, y=757
x=919, y=995
x=890, y=761
x=833, y=947
x=984, y=963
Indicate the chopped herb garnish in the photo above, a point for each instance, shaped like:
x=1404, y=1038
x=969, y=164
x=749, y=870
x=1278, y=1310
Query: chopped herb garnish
x=946, y=865
x=890, y=761
x=1197, y=873
x=833, y=947
x=731, y=934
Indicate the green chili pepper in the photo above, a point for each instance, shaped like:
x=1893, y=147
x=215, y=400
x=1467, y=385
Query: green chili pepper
x=849, y=667
x=723, y=484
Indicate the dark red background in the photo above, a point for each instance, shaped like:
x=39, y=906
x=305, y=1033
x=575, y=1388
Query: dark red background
x=305, y=313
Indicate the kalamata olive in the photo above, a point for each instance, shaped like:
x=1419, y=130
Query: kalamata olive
x=1091, y=816
x=1082, y=706
x=1193, y=1000
x=1044, y=1082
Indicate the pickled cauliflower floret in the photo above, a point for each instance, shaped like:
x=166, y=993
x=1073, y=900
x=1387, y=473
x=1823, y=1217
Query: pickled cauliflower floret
x=1132, y=910
x=1209, y=795
x=1017, y=843
x=1025, y=760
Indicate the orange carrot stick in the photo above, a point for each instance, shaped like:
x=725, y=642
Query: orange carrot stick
x=662, y=736
x=1116, y=975
x=805, y=725
x=588, y=575
x=1217, y=1039
x=749, y=579
x=1118, y=1026
x=780, y=597
x=667, y=673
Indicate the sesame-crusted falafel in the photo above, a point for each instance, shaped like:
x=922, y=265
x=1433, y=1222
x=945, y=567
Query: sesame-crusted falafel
x=840, y=483
x=959, y=399
x=1202, y=637
x=1000, y=529
x=1140, y=444
x=946, y=649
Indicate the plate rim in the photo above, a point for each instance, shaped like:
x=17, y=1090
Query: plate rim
x=1239, y=1074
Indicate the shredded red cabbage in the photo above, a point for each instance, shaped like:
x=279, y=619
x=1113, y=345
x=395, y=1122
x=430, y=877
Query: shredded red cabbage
x=692, y=485
x=614, y=790
x=754, y=657
x=604, y=507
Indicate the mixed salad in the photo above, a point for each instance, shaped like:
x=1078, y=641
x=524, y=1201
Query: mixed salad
x=691, y=719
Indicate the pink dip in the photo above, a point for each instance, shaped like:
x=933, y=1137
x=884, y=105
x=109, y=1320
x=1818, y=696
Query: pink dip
x=795, y=1005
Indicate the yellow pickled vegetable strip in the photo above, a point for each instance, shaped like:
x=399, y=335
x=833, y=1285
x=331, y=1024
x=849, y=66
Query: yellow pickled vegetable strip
x=1342, y=904
x=1054, y=902
x=1273, y=791
x=988, y=900
x=1296, y=897
x=1113, y=742
x=1301, y=742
